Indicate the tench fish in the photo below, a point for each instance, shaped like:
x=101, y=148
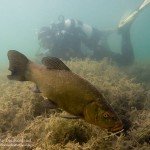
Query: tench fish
x=65, y=89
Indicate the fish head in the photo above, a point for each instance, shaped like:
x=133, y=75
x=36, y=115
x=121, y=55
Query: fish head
x=108, y=119
x=102, y=115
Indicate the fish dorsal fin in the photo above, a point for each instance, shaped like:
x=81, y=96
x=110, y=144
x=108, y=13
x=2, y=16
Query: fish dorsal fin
x=54, y=63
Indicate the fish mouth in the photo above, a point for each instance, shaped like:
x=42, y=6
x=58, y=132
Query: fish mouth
x=117, y=127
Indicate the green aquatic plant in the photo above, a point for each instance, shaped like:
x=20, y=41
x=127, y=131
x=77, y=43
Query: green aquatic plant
x=141, y=73
x=23, y=114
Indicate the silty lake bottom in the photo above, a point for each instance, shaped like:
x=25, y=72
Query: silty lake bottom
x=25, y=119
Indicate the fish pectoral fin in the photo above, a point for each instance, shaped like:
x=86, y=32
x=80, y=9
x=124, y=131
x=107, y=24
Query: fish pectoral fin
x=54, y=63
x=35, y=89
x=50, y=104
x=69, y=116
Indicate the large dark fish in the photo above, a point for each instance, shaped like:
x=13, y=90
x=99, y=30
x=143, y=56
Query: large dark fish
x=65, y=89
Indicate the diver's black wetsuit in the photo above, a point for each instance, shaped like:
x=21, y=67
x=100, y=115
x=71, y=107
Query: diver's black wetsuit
x=64, y=40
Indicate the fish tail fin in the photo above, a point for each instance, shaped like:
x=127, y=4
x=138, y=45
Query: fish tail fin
x=17, y=65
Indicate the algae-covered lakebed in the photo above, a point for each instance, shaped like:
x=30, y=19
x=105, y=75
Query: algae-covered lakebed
x=27, y=123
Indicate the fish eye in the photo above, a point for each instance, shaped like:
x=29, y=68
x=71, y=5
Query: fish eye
x=106, y=115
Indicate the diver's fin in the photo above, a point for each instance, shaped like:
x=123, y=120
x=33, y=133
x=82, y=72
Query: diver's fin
x=54, y=63
x=144, y=4
x=128, y=20
x=126, y=23
x=17, y=65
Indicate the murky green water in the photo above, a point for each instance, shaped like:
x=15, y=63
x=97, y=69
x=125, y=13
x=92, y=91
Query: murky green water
x=21, y=19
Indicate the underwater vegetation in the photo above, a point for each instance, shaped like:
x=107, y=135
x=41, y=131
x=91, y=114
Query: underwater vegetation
x=142, y=72
x=25, y=115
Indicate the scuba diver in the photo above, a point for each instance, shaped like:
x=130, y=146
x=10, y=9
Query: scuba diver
x=71, y=38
